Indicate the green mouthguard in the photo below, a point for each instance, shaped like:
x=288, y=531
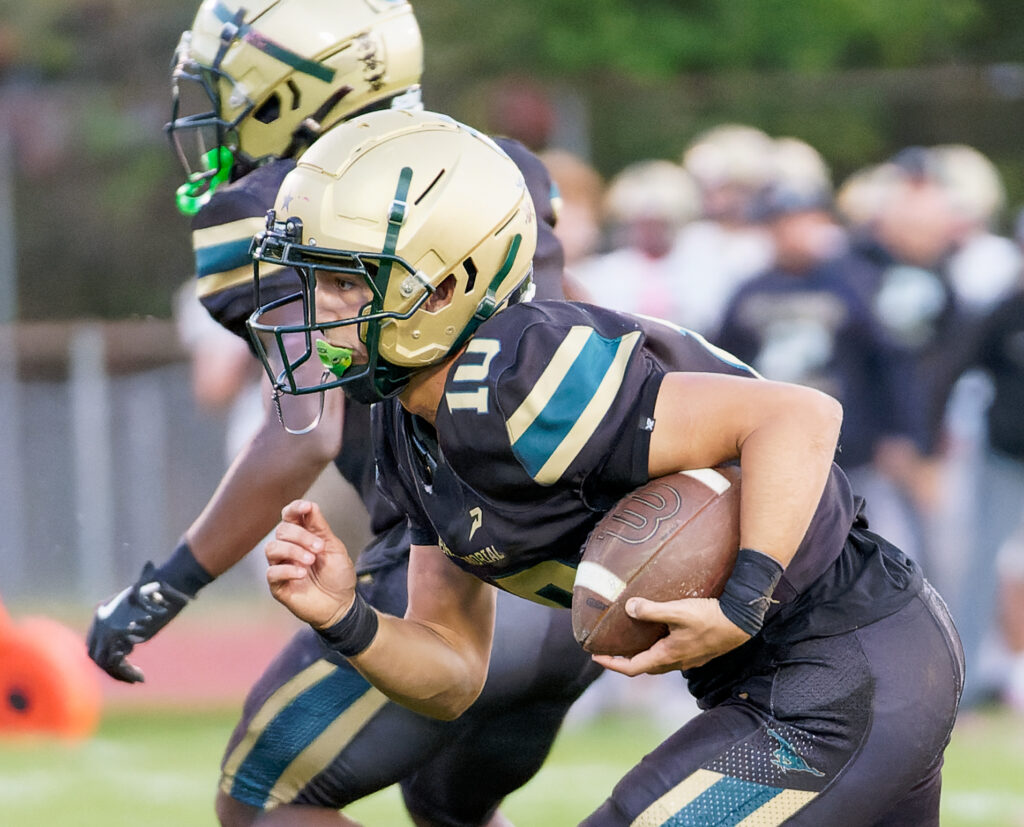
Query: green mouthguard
x=336, y=359
x=194, y=193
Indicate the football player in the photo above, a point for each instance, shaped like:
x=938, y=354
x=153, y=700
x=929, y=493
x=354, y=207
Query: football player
x=252, y=90
x=828, y=671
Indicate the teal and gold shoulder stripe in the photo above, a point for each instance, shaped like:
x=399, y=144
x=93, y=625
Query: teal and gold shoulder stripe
x=565, y=406
x=707, y=797
x=222, y=254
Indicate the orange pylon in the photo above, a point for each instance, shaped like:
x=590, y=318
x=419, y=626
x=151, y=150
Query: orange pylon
x=48, y=685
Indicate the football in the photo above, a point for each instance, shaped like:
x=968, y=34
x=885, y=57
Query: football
x=675, y=537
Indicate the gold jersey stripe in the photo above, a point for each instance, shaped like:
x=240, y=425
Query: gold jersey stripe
x=780, y=808
x=287, y=693
x=314, y=758
x=227, y=233
x=675, y=799
x=216, y=282
x=550, y=380
x=536, y=579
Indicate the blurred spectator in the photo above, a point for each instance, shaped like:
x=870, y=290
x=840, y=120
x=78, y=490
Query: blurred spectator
x=996, y=566
x=519, y=107
x=645, y=206
x=730, y=164
x=985, y=265
x=903, y=254
x=226, y=380
x=801, y=320
x=578, y=204
x=859, y=199
x=799, y=169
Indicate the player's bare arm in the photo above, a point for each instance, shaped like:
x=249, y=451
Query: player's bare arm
x=273, y=467
x=446, y=631
x=785, y=437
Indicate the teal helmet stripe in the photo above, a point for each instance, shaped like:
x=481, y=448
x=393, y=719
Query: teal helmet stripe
x=275, y=50
x=396, y=217
x=489, y=303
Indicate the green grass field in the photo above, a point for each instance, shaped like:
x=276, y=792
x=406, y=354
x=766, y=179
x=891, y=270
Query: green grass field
x=160, y=768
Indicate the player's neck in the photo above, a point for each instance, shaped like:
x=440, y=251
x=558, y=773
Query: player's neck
x=422, y=396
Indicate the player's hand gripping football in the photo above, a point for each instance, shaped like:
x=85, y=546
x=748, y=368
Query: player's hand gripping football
x=310, y=570
x=697, y=632
x=129, y=617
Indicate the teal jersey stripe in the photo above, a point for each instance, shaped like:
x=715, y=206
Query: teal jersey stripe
x=724, y=804
x=292, y=730
x=580, y=384
x=222, y=258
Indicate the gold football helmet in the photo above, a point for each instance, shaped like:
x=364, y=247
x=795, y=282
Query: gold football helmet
x=403, y=202
x=263, y=80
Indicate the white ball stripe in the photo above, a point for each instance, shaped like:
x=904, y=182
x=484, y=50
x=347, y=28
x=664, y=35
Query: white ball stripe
x=710, y=477
x=599, y=580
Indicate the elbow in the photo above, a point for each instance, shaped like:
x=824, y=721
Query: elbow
x=462, y=696
x=824, y=419
x=450, y=704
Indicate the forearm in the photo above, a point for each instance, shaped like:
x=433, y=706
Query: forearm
x=434, y=660
x=416, y=666
x=273, y=469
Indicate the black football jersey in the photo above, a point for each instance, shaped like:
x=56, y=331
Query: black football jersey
x=222, y=233
x=545, y=424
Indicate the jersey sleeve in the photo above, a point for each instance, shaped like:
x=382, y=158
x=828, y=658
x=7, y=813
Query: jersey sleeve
x=222, y=232
x=552, y=394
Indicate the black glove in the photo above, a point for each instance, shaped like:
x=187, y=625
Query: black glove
x=140, y=611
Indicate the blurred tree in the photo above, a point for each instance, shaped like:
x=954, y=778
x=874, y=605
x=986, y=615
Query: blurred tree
x=84, y=94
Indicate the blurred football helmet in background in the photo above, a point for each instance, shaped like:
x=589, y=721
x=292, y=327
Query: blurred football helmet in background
x=403, y=202
x=265, y=79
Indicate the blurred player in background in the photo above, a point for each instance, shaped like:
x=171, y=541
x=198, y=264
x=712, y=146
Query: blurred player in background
x=730, y=163
x=828, y=671
x=645, y=207
x=252, y=91
x=990, y=604
x=802, y=320
x=985, y=265
x=902, y=255
x=580, y=191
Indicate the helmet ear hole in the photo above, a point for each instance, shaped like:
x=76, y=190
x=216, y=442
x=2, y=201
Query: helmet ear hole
x=442, y=295
x=270, y=110
x=296, y=94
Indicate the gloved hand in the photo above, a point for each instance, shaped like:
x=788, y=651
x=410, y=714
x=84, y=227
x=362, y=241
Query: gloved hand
x=140, y=611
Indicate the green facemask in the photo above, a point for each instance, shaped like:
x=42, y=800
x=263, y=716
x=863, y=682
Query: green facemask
x=193, y=194
x=336, y=359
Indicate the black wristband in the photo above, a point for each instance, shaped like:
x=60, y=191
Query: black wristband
x=354, y=633
x=748, y=591
x=182, y=571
